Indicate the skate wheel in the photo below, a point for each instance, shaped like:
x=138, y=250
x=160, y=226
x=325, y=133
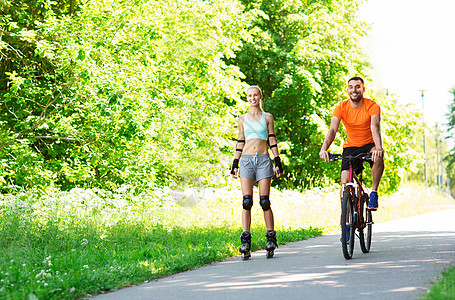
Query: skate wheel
x=270, y=254
x=246, y=256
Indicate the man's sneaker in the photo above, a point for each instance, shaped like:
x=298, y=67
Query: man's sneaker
x=347, y=233
x=373, y=203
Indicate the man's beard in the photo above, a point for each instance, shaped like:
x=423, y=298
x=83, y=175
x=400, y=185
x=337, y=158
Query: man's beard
x=356, y=99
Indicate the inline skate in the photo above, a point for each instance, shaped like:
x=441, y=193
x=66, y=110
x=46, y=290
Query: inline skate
x=271, y=243
x=246, y=245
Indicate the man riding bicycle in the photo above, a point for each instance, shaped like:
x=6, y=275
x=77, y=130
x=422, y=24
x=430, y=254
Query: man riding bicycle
x=361, y=118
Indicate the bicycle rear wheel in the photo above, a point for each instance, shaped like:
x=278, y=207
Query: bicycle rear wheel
x=347, y=225
x=366, y=231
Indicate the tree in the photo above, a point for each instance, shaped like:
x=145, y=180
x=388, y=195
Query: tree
x=450, y=159
x=136, y=93
x=31, y=90
x=401, y=130
x=104, y=93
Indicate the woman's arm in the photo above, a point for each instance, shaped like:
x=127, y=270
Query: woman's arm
x=238, y=149
x=273, y=143
x=240, y=140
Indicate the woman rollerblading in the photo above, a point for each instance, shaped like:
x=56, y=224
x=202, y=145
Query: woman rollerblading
x=256, y=133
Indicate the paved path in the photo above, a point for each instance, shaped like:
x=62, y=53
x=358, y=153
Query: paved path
x=405, y=257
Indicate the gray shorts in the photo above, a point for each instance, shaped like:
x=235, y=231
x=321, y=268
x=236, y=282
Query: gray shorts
x=256, y=166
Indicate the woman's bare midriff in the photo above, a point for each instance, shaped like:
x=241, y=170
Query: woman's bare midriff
x=255, y=146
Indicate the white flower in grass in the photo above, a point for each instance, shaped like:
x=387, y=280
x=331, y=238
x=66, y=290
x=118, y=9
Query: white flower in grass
x=72, y=290
x=84, y=242
x=47, y=260
x=85, y=266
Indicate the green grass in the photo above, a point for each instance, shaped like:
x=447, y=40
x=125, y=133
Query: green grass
x=66, y=245
x=444, y=288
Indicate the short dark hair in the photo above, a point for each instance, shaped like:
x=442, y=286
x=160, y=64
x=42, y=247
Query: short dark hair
x=356, y=78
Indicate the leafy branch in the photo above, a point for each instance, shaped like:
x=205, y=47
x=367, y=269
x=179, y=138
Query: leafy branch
x=44, y=115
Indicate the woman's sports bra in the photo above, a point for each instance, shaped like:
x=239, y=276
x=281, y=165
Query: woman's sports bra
x=255, y=130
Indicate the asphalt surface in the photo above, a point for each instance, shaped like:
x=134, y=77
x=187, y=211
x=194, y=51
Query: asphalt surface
x=406, y=257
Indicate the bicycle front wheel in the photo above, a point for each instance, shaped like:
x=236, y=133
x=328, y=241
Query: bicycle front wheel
x=366, y=231
x=347, y=225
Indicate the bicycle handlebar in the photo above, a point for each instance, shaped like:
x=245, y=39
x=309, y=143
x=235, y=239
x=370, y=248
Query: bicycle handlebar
x=362, y=156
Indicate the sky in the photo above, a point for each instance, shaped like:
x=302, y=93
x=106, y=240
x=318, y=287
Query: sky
x=412, y=48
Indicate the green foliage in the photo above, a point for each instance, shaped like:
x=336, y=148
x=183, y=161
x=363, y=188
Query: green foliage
x=133, y=92
x=104, y=93
x=66, y=245
x=450, y=159
x=451, y=117
x=444, y=288
x=401, y=128
x=30, y=92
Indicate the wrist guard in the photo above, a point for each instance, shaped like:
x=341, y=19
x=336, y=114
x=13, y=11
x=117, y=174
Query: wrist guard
x=235, y=165
x=278, y=164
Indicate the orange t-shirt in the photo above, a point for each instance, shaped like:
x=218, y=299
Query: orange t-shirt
x=357, y=121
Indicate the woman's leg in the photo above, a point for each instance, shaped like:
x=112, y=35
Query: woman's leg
x=247, y=189
x=264, y=190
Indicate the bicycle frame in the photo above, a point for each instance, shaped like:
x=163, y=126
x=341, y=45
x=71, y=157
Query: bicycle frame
x=358, y=189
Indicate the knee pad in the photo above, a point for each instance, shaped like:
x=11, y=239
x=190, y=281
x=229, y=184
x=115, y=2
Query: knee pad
x=247, y=202
x=265, y=203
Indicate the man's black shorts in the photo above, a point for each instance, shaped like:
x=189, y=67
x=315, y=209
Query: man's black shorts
x=357, y=164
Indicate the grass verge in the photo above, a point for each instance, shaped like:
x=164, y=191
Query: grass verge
x=72, y=244
x=444, y=288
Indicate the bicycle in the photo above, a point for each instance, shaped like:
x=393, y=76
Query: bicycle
x=354, y=209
